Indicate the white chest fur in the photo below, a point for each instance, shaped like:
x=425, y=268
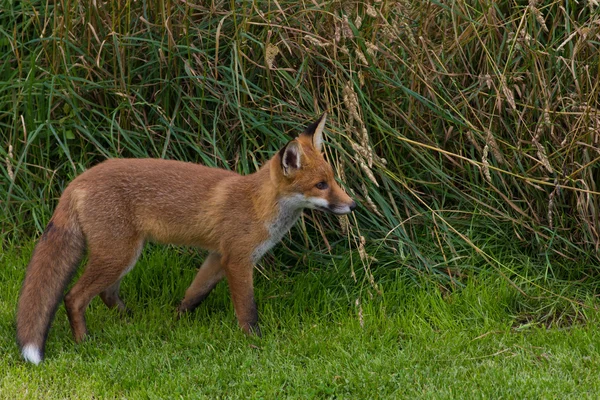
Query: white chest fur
x=290, y=209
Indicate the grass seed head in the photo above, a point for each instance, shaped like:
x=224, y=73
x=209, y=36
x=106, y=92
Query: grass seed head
x=9, y=160
x=271, y=52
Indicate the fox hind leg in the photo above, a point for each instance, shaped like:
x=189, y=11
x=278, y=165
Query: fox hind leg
x=110, y=297
x=106, y=266
x=210, y=273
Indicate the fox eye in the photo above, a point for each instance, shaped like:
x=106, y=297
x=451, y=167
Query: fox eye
x=322, y=185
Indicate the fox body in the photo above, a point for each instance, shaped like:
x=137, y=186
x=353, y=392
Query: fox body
x=113, y=208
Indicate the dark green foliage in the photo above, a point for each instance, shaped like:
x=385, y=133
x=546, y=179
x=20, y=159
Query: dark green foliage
x=456, y=126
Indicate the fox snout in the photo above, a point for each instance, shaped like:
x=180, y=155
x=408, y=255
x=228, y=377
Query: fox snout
x=339, y=207
x=340, y=203
x=342, y=209
x=352, y=205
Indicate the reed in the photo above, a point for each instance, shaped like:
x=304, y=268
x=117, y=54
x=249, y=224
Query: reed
x=458, y=126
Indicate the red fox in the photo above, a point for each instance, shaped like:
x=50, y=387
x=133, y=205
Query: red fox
x=115, y=207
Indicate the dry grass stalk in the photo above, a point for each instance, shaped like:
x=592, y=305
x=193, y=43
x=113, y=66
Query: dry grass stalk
x=361, y=56
x=346, y=30
x=371, y=11
x=271, y=52
x=491, y=141
x=538, y=14
x=551, y=205
x=471, y=139
x=585, y=208
x=507, y=92
x=9, y=160
x=371, y=48
x=313, y=40
x=370, y=203
x=541, y=150
x=485, y=164
x=367, y=171
x=351, y=102
x=361, y=320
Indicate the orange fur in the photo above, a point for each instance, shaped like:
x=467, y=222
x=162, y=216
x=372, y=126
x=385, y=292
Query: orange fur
x=116, y=206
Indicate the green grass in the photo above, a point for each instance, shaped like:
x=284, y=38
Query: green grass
x=414, y=340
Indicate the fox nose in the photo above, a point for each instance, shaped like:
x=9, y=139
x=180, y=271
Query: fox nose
x=352, y=205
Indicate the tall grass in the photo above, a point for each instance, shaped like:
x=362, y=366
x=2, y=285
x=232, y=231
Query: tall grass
x=459, y=126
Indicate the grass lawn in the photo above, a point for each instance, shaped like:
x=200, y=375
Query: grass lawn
x=414, y=340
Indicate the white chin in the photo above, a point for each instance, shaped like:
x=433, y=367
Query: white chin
x=342, y=210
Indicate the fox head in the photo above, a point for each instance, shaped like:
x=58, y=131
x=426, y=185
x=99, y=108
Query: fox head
x=305, y=178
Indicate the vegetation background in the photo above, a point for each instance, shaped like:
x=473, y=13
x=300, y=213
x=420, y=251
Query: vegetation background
x=468, y=131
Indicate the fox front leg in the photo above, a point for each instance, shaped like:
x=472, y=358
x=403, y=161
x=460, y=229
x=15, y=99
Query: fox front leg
x=241, y=287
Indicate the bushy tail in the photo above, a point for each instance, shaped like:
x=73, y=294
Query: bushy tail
x=54, y=261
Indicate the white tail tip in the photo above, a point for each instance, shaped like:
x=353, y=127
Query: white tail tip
x=32, y=354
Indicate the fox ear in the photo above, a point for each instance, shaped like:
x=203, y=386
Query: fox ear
x=290, y=158
x=315, y=132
